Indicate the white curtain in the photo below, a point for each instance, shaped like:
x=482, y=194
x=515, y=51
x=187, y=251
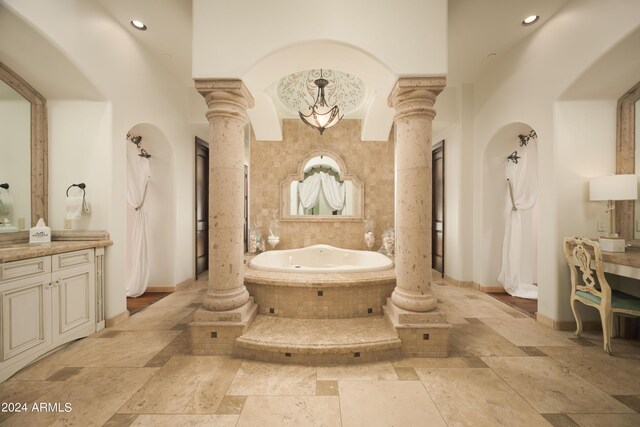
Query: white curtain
x=309, y=190
x=333, y=191
x=519, y=250
x=138, y=174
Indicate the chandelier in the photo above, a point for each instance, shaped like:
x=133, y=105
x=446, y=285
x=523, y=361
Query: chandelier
x=321, y=116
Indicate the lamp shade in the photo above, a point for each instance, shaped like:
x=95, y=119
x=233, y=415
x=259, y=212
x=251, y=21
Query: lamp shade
x=614, y=187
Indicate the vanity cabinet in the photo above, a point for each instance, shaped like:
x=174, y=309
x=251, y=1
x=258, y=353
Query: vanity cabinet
x=46, y=302
x=26, y=316
x=73, y=296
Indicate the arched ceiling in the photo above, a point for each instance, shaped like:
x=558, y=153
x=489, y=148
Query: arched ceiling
x=402, y=38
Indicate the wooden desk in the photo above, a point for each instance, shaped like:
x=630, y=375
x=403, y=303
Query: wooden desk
x=622, y=263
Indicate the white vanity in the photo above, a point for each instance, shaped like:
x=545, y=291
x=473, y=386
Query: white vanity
x=50, y=294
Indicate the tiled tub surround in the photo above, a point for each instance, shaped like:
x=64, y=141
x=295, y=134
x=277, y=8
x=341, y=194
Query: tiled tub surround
x=370, y=161
x=320, y=295
x=335, y=318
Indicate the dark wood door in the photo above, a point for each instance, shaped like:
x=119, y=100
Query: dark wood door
x=437, y=218
x=246, y=208
x=202, y=206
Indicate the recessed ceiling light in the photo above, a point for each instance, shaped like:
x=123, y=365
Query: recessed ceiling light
x=530, y=20
x=138, y=25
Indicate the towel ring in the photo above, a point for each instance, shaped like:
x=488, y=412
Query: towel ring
x=82, y=186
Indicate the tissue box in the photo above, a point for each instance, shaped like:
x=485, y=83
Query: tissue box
x=40, y=233
x=608, y=244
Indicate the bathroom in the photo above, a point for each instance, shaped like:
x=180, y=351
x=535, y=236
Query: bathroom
x=91, y=111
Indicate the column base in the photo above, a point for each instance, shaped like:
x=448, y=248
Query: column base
x=225, y=300
x=413, y=301
x=215, y=332
x=422, y=334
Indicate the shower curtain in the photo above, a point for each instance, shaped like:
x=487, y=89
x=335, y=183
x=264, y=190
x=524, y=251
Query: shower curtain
x=519, y=249
x=138, y=175
x=309, y=191
x=333, y=191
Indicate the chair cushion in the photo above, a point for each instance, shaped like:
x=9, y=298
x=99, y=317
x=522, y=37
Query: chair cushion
x=618, y=300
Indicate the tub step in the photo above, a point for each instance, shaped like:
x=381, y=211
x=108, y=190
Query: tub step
x=319, y=341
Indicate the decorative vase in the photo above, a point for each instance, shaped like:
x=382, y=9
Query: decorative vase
x=274, y=230
x=273, y=241
x=389, y=241
x=369, y=233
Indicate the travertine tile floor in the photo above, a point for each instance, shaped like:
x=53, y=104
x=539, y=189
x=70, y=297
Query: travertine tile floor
x=504, y=369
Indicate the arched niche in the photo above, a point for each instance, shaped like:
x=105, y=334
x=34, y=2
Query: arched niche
x=334, y=167
x=159, y=203
x=496, y=204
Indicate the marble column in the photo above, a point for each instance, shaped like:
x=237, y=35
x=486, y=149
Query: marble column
x=413, y=100
x=227, y=101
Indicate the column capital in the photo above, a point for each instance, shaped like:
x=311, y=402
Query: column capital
x=225, y=97
x=415, y=96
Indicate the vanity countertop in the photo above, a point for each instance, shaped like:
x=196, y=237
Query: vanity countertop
x=18, y=251
x=630, y=257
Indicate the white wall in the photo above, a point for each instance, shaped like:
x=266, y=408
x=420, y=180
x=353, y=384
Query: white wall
x=524, y=87
x=15, y=154
x=79, y=151
x=140, y=90
x=262, y=42
x=587, y=132
x=245, y=31
x=454, y=125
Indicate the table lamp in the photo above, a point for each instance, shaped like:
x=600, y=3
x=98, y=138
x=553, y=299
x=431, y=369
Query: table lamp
x=611, y=188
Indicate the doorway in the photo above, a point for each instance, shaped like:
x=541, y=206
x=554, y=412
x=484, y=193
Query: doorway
x=437, y=206
x=202, y=206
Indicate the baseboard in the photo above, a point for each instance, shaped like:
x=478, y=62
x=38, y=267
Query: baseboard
x=491, y=289
x=160, y=289
x=184, y=283
x=170, y=288
x=459, y=283
x=567, y=325
x=118, y=318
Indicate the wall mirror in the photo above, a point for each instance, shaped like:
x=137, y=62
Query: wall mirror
x=23, y=144
x=628, y=161
x=321, y=190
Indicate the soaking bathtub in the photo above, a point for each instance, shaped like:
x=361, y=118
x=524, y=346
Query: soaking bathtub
x=321, y=259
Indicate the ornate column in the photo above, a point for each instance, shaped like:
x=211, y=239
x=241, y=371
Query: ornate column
x=413, y=100
x=228, y=101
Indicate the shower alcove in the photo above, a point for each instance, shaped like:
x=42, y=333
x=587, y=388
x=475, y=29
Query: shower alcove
x=159, y=217
x=510, y=212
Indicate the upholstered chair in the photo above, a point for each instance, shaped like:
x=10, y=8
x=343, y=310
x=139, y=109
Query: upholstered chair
x=590, y=287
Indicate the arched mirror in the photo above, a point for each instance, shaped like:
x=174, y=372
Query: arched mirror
x=628, y=161
x=23, y=144
x=321, y=190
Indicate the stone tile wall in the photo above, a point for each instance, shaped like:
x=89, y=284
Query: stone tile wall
x=372, y=162
x=321, y=302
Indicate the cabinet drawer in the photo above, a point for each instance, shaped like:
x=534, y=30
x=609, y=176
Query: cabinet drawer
x=72, y=259
x=24, y=268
